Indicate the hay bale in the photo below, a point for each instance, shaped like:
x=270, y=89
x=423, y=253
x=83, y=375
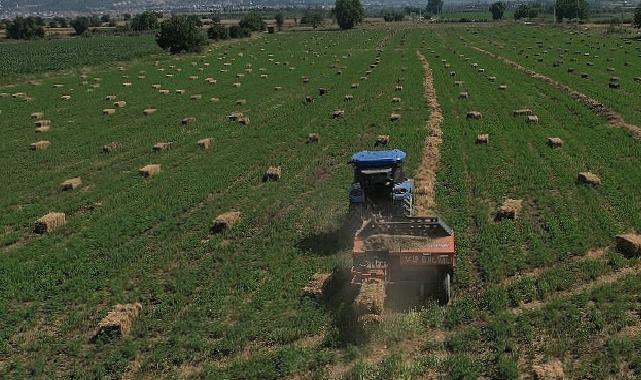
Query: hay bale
x=588, y=178
x=338, y=114
x=322, y=91
x=396, y=100
x=206, y=143
x=149, y=170
x=39, y=145
x=463, y=95
x=510, y=209
x=236, y=84
x=355, y=85
x=111, y=98
x=235, y=116
x=163, y=92
x=452, y=73
x=273, y=173
x=398, y=88
x=108, y=111
x=309, y=99
x=188, y=120
x=193, y=77
x=313, y=138
x=348, y=98
x=552, y=370
x=522, y=112
x=585, y=75
x=127, y=84
x=492, y=79
x=381, y=140
x=214, y=100
x=370, y=299
x=305, y=80
x=180, y=92
x=241, y=102
x=196, y=97
x=474, y=115
x=118, y=322
x=278, y=88
x=149, y=111
x=211, y=80
x=50, y=222
x=112, y=146
x=37, y=115
x=156, y=87
x=481, y=70
x=483, y=138
x=502, y=87
x=42, y=123
x=395, y=116
x=532, y=119
x=70, y=184
x=629, y=244
x=42, y=129
x=459, y=83
x=66, y=97
x=555, y=142
x=244, y=120
x=316, y=286
x=161, y=146
x=120, y=104
x=225, y=221
x=614, y=84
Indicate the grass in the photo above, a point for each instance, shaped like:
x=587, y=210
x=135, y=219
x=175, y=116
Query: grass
x=31, y=57
x=229, y=306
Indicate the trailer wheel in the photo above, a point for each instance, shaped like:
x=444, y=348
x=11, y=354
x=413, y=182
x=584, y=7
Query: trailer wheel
x=444, y=299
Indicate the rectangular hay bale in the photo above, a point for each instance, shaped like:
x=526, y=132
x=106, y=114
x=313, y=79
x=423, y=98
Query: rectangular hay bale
x=49, y=222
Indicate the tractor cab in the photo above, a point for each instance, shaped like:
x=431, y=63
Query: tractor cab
x=380, y=184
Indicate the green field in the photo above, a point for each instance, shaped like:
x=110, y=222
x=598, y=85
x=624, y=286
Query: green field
x=28, y=57
x=547, y=286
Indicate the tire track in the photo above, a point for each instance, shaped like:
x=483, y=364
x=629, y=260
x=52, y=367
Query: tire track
x=426, y=175
x=614, y=119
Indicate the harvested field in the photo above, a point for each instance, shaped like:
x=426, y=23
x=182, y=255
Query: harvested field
x=549, y=284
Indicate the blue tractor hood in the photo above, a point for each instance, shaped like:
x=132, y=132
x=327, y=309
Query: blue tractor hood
x=378, y=158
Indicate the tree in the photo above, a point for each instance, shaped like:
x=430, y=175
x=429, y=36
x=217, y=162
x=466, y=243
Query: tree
x=80, y=24
x=571, y=9
x=497, y=10
x=61, y=22
x=26, y=28
x=180, y=34
x=637, y=17
x=313, y=17
x=94, y=21
x=435, y=7
x=521, y=11
x=532, y=12
x=236, y=31
x=252, y=21
x=348, y=13
x=126, y=17
x=105, y=18
x=145, y=21
x=280, y=20
x=218, y=32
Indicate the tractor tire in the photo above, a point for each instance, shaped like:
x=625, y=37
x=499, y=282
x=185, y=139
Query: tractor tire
x=445, y=292
x=408, y=207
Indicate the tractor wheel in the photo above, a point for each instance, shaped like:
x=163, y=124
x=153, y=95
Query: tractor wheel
x=408, y=207
x=444, y=298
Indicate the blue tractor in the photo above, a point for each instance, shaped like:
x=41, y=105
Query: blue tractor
x=380, y=186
